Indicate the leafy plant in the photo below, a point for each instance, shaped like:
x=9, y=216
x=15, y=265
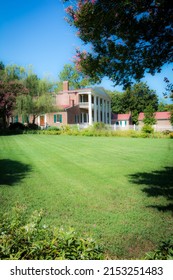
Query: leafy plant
x=99, y=126
x=147, y=129
x=53, y=128
x=24, y=238
x=171, y=135
x=164, y=251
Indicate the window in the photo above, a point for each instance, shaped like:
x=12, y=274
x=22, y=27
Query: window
x=15, y=119
x=76, y=118
x=58, y=118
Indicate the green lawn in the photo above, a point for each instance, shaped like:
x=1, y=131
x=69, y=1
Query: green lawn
x=119, y=190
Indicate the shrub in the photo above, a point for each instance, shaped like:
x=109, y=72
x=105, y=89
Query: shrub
x=164, y=251
x=23, y=238
x=147, y=129
x=99, y=126
x=33, y=126
x=171, y=135
x=53, y=128
x=65, y=128
x=17, y=126
x=166, y=132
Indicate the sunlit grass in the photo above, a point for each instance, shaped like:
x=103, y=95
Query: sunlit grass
x=116, y=189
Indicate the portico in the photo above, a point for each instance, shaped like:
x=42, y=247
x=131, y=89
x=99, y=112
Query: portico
x=98, y=105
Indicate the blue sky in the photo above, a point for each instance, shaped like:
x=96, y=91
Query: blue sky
x=34, y=32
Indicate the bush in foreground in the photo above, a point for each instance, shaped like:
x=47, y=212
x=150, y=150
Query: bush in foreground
x=164, y=251
x=147, y=129
x=28, y=239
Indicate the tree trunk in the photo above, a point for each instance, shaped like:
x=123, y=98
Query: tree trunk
x=34, y=118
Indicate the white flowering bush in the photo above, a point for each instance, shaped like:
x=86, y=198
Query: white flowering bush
x=28, y=239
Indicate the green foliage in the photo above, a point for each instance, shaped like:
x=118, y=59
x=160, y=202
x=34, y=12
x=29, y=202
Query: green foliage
x=121, y=51
x=14, y=72
x=162, y=106
x=99, y=126
x=32, y=84
x=17, y=126
x=164, y=251
x=95, y=184
x=149, y=118
x=171, y=117
x=32, y=126
x=134, y=100
x=23, y=238
x=75, y=78
x=171, y=135
x=146, y=132
x=147, y=128
x=116, y=102
x=9, y=90
x=50, y=128
x=50, y=132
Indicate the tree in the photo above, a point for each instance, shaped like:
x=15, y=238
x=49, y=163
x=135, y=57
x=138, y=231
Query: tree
x=162, y=106
x=149, y=118
x=32, y=84
x=14, y=72
x=134, y=99
x=169, y=89
x=128, y=38
x=116, y=101
x=38, y=101
x=76, y=78
x=8, y=94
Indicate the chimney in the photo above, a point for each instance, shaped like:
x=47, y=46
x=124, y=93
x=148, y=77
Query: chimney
x=65, y=86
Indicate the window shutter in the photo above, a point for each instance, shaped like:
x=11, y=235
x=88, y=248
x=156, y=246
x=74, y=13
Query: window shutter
x=16, y=119
x=60, y=118
x=54, y=118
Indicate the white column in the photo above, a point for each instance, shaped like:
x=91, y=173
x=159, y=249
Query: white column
x=45, y=120
x=109, y=112
x=87, y=118
x=103, y=110
x=98, y=109
x=82, y=117
x=90, y=108
x=106, y=102
x=95, y=108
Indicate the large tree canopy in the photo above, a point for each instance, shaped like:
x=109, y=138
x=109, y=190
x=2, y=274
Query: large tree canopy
x=23, y=93
x=76, y=78
x=39, y=100
x=135, y=100
x=128, y=38
x=8, y=94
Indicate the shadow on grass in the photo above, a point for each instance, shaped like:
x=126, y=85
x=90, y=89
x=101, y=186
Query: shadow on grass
x=12, y=171
x=158, y=183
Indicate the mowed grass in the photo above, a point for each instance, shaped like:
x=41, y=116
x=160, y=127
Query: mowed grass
x=119, y=190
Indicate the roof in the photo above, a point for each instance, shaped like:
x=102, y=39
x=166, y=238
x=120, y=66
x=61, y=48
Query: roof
x=158, y=116
x=63, y=107
x=66, y=107
x=98, y=91
x=121, y=117
x=162, y=115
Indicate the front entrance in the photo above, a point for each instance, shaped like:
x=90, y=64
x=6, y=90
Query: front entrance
x=41, y=120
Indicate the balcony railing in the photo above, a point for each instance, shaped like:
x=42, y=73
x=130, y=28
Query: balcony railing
x=85, y=105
